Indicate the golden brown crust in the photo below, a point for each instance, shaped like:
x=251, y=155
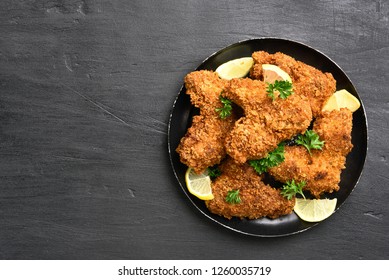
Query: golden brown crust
x=266, y=122
x=203, y=144
x=204, y=88
x=322, y=170
x=257, y=199
x=285, y=62
x=335, y=128
x=307, y=80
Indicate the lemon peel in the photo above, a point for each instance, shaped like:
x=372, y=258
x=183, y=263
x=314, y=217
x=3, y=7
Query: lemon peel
x=236, y=68
x=199, y=184
x=314, y=210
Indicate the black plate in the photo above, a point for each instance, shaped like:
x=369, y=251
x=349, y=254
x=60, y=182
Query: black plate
x=183, y=111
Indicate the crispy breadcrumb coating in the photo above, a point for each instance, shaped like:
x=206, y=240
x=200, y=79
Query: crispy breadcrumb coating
x=322, y=170
x=263, y=125
x=335, y=128
x=203, y=144
x=257, y=199
x=307, y=80
x=204, y=88
x=266, y=122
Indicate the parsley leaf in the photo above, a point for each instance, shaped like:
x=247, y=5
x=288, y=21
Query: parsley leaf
x=226, y=110
x=310, y=140
x=292, y=188
x=284, y=89
x=273, y=158
x=233, y=197
x=214, y=172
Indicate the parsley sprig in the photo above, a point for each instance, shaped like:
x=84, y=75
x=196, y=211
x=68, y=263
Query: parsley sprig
x=284, y=89
x=214, y=172
x=233, y=197
x=272, y=159
x=292, y=188
x=226, y=110
x=310, y=140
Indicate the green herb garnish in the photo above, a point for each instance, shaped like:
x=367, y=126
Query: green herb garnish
x=233, y=197
x=214, y=172
x=292, y=188
x=310, y=140
x=273, y=158
x=226, y=110
x=284, y=89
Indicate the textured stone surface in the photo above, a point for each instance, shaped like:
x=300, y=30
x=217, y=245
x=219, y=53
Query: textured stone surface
x=86, y=88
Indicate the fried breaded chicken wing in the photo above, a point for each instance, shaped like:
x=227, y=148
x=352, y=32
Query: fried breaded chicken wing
x=266, y=122
x=335, y=128
x=204, y=88
x=307, y=80
x=321, y=170
x=257, y=199
x=203, y=144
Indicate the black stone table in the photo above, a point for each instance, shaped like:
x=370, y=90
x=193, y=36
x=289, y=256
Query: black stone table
x=86, y=89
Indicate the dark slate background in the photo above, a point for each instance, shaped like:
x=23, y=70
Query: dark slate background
x=86, y=88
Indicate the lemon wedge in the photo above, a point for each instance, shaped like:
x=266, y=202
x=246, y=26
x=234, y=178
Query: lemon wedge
x=236, y=68
x=199, y=184
x=331, y=104
x=342, y=99
x=314, y=210
x=272, y=73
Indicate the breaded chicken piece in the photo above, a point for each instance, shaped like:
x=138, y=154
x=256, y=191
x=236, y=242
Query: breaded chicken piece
x=257, y=199
x=204, y=88
x=203, y=144
x=265, y=123
x=307, y=80
x=334, y=128
x=322, y=170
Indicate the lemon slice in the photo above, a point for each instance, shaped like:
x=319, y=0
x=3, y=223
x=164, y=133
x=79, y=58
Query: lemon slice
x=314, y=210
x=199, y=184
x=347, y=100
x=331, y=104
x=342, y=99
x=272, y=73
x=236, y=68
